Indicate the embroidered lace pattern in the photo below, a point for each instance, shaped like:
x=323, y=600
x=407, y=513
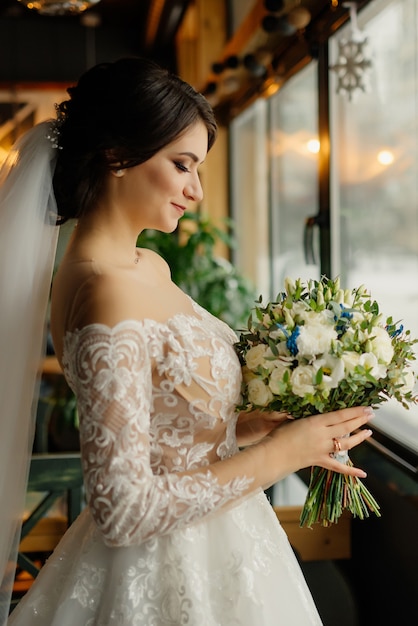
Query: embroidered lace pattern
x=156, y=406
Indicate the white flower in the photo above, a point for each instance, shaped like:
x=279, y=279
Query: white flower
x=316, y=336
x=350, y=360
x=369, y=361
x=409, y=381
x=348, y=298
x=266, y=320
x=406, y=378
x=255, y=356
x=339, y=296
x=333, y=370
x=381, y=345
x=358, y=317
x=302, y=380
x=258, y=393
x=271, y=361
x=289, y=285
x=247, y=374
x=277, y=374
x=276, y=334
x=300, y=311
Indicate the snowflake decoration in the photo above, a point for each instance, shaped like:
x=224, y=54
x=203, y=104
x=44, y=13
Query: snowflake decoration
x=352, y=66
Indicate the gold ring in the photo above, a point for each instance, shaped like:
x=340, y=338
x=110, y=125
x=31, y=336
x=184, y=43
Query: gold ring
x=337, y=445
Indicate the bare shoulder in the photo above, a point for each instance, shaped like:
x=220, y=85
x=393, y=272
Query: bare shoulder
x=88, y=298
x=89, y=292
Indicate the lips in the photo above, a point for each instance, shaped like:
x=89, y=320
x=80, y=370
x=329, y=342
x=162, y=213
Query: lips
x=180, y=208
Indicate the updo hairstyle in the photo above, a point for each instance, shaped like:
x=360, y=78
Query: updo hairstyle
x=118, y=116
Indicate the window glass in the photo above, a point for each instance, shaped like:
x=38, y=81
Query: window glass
x=374, y=179
x=294, y=174
x=249, y=193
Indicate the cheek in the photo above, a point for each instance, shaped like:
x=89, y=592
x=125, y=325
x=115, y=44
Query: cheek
x=161, y=182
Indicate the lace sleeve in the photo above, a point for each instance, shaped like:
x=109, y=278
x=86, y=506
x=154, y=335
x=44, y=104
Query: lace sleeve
x=110, y=372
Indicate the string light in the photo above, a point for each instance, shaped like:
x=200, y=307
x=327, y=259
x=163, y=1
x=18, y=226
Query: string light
x=59, y=7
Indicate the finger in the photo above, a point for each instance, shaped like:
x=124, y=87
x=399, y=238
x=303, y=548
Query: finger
x=347, y=428
x=347, y=443
x=348, y=415
x=341, y=468
x=343, y=444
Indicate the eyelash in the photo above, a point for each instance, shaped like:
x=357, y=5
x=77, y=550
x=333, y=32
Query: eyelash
x=181, y=167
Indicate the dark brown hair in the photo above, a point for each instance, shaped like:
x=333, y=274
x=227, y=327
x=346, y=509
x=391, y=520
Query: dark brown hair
x=119, y=115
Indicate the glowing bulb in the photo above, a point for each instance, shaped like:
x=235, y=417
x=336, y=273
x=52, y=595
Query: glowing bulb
x=313, y=146
x=385, y=157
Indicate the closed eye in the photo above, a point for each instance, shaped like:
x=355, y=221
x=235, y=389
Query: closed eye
x=181, y=167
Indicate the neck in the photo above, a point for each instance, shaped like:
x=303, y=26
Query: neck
x=98, y=240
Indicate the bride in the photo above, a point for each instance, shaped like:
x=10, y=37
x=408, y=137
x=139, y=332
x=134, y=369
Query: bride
x=177, y=529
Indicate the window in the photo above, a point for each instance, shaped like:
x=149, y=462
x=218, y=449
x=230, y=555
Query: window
x=374, y=180
x=294, y=174
x=250, y=195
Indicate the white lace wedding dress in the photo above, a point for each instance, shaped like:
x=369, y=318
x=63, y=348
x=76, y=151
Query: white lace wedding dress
x=163, y=542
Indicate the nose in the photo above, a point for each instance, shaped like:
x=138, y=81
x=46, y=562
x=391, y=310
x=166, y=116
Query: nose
x=193, y=190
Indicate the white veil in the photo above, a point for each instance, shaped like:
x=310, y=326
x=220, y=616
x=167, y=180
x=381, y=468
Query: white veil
x=28, y=238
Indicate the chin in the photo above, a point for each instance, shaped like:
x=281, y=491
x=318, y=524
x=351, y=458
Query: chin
x=168, y=228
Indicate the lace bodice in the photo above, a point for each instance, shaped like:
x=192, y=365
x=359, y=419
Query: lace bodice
x=156, y=406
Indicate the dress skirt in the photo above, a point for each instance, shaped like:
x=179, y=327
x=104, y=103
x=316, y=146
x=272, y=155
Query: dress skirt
x=236, y=568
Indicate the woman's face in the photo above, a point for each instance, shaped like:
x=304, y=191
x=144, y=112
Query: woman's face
x=155, y=194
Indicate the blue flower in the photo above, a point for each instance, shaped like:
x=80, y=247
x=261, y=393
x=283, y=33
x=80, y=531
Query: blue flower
x=342, y=320
x=345, y=313
x=393, y=331
x=291, y=342
x=290, y=338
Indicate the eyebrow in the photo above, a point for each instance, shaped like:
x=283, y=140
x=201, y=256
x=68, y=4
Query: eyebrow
x=191, y=155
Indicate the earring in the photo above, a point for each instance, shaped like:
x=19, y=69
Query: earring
x=118, y=173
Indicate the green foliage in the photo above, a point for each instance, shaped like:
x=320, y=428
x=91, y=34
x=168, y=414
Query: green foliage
x=212, y=282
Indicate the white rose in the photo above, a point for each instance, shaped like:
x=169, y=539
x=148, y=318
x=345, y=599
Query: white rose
x=276, y=376
x=269, y=362
x=381, y=345
x=255, y=356
x=324, y=318
x=258, y=393
x=315, y=338
x=406, y=378
x=409, y=381
x=333, y=371
x=350, y=360
x=247, y=374
x=302, y=379
x=370, y=362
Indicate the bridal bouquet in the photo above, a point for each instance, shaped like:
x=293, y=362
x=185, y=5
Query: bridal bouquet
x=317, y=349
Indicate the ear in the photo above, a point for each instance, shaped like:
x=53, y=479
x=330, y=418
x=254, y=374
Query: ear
x=118, y=173
x=113, y=162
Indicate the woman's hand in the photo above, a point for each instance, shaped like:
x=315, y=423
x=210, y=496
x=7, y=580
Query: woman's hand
x=314, y=440
x=255, y=425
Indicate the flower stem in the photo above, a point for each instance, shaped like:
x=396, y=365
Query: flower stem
x=330, y=493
